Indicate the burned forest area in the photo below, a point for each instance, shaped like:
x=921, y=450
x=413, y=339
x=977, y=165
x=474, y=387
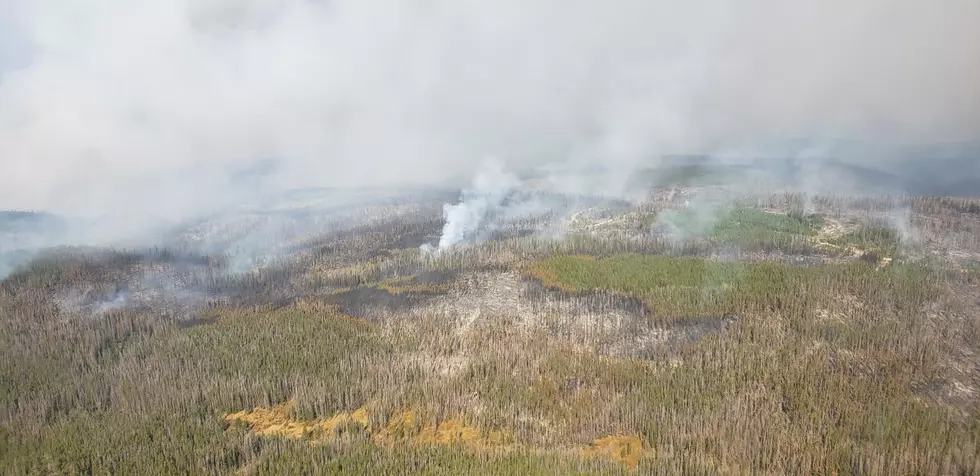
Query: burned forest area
x=692, y=330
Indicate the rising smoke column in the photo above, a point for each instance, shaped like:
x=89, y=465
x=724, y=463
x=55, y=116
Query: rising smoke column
x=489, y=189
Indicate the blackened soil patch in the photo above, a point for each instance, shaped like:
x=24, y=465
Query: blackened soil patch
x=373, y=303
x=198, y=321
x=693, y=329
x=437, y=277
x=594, y=301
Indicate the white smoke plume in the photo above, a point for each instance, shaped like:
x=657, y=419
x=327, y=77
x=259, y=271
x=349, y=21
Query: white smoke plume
x=490, y=188
x=695, y=219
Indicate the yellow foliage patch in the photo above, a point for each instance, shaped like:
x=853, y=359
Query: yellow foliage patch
x=449, y=432
x=271, y=422
x=360, y=416
x=277, y=422
x=623, y=449
x=454, y=431
x=407, y=428
x=404, y=427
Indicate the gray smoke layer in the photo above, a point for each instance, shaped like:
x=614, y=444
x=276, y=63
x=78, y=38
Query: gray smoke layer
x=144, y=112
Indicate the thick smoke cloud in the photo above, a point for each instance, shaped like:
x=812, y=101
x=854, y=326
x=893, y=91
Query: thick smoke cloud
x=158, y=109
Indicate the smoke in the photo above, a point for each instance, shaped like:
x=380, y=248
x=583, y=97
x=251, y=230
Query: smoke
x=900, y=220
x=539, y=202
x=490, y=188
x=143, y=112
x=93, y=302
x=494, y=198
x=695, y=219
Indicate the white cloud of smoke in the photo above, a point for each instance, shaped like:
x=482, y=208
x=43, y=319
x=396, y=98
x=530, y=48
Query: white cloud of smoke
x=142, y=109
x=490, y=188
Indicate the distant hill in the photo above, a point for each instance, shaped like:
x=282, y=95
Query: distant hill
x=923, y=171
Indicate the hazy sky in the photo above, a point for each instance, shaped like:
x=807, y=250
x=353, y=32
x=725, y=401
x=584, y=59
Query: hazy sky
x=15, y=47
x=155, y=106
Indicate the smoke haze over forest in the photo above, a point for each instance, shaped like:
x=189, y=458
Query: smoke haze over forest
x=138, y=108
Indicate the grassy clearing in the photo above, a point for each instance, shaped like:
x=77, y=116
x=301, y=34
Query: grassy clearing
x=870, y=239
x=409, y=285
x=677, y=288
x=743, y=227
x=750, y=224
